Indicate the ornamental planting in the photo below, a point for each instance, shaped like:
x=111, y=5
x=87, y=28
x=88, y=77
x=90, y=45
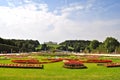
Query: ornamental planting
x=98, y=61
x=36, y=66
x=73, y=64
x=112, y=65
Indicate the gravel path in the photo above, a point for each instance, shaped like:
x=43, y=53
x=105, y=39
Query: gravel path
x=96, y=54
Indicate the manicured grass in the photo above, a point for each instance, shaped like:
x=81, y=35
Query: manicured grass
x=55, y=71
x=50, y=45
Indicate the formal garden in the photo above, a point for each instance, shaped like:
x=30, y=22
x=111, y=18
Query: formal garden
x=36, y=67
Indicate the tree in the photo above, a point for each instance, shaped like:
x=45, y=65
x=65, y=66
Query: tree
x=44, y=47
x=76, y=45
x=62, y=47
x=22, y=45
x=94, y=44
x=87, y=50
x=111, y=44
x=2, y=40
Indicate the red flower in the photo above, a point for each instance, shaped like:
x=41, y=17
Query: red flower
x=98, y=61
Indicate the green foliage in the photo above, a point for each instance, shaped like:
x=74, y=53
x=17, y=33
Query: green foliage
x=8, y=49
x=108, y=46
x=44, y=47
x=63, y=47
x=118, y=50
x=53, y=45
x=22, y=45
x=76, y=45
x=50, y=46
x=94, y=44
x=87, y=50
x=111, y=44
x=101, y=49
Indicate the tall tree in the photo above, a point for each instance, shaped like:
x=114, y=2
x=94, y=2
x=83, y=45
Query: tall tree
x=111, y=44
x=44, y=47
x=94, y=44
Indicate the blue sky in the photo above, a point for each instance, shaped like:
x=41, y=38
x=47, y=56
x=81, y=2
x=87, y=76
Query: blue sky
x=59, y=20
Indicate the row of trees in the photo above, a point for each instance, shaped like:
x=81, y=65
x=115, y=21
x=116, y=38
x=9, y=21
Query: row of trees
x=74, y=45
x=69, y=45
x=108, y=46
x=13, y=45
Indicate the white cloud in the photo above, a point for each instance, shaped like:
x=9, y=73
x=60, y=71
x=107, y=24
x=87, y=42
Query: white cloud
x=72, y=8
x=33, y=21
x=43, y=7
x=27, y=1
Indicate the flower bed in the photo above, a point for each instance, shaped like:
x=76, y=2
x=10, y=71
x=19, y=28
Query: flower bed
x=98, y=61
x=36, y=66
x=30, y=61
x=73, y=64
x=92, y=57
x=55, y=60
x=35, y=61
x=112, y=65
x=52, y=60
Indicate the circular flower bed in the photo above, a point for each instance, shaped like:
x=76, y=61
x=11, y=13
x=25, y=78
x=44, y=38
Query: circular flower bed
x=72, y=64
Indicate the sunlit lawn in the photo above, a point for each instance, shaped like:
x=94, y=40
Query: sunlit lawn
x=55, y=71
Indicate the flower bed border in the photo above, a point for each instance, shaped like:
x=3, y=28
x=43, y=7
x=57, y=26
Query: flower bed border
x=29, y=61
x=35, y=61
x=75, y=67
x=33, y=66
x=98, y=61
x=112, y=65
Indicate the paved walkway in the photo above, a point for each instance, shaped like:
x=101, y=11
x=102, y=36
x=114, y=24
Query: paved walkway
x=78, y=54
x=97, y=54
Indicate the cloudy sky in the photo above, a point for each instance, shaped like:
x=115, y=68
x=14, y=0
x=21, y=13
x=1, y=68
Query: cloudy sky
x=59, y=20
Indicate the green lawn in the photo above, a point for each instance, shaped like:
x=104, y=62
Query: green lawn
x=55, y=71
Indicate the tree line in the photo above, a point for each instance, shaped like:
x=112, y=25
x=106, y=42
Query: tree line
x=15, y=46
x=109, y=45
